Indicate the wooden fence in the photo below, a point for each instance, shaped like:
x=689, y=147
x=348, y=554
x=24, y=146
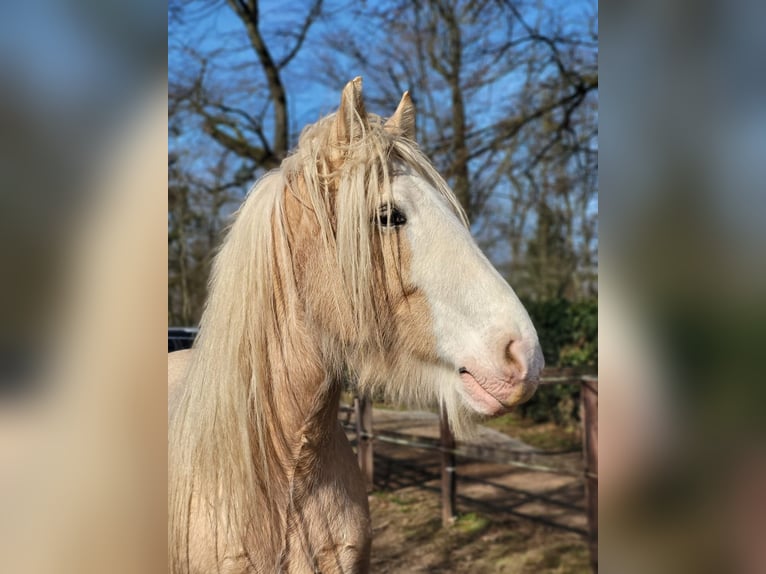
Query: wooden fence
x=450, y=449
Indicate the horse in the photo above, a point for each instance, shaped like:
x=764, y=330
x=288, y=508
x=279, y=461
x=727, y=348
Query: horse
x=352, y=261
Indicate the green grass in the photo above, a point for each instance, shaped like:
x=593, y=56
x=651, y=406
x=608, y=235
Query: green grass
x=392, y=498
x=558, y=558
x=471, y=523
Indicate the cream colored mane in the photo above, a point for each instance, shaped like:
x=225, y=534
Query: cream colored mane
x=223, y=441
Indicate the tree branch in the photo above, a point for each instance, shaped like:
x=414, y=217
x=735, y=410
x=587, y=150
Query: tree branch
x=249, y=17
x=316, y=10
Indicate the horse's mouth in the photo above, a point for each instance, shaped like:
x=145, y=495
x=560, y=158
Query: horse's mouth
x=494, y=395
x=479, y=398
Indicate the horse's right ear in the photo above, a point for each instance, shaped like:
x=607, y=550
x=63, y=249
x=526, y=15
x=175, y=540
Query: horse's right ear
x=351, y=120
x=403, y=121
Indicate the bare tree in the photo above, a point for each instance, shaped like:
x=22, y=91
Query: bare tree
x=229, y=114
x=506, y=109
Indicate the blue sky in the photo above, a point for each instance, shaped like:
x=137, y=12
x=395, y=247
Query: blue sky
x=308, y=98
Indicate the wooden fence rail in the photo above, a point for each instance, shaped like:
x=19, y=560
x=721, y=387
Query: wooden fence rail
x=450, y=449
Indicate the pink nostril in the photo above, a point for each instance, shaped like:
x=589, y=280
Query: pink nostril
x=508, y=353
x=516, y=359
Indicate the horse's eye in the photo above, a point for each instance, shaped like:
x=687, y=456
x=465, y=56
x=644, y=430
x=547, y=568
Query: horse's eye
x=391, y=217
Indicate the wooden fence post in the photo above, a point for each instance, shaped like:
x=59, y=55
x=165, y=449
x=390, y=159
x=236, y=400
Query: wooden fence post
x=363, y=411
x=448, y=470
x=589, y=403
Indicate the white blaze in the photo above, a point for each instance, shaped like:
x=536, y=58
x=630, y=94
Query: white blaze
x=475, y=312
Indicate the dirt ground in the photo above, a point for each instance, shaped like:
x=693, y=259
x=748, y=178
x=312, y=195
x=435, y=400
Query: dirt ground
x=510, y=520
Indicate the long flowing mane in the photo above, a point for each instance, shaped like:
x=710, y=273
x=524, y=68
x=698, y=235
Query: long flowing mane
x=224, y=444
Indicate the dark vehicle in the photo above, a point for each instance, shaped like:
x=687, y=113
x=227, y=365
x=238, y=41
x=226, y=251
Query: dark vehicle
x=181, y=338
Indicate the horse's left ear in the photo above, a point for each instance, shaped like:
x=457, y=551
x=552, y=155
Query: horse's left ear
x=403, y=121
x=351, y=120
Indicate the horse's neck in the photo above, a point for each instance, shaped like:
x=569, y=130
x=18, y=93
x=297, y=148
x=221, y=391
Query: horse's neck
x=325, y=489
x=306, y=397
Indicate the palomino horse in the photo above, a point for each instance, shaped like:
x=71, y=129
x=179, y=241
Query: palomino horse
x=353, y=259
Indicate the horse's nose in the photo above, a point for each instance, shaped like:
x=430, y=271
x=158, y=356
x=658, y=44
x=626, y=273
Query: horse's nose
x=521, y=358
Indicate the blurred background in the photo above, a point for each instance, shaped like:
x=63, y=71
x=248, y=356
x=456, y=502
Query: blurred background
x=82, y=286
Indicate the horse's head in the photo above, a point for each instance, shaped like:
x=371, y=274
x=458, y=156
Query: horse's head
x=389, y=271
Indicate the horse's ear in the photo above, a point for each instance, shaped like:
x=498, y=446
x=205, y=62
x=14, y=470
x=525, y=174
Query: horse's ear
x=351, y=120
x=403, y=121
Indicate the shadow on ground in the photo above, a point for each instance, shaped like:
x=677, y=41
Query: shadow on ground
x=510, y=520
